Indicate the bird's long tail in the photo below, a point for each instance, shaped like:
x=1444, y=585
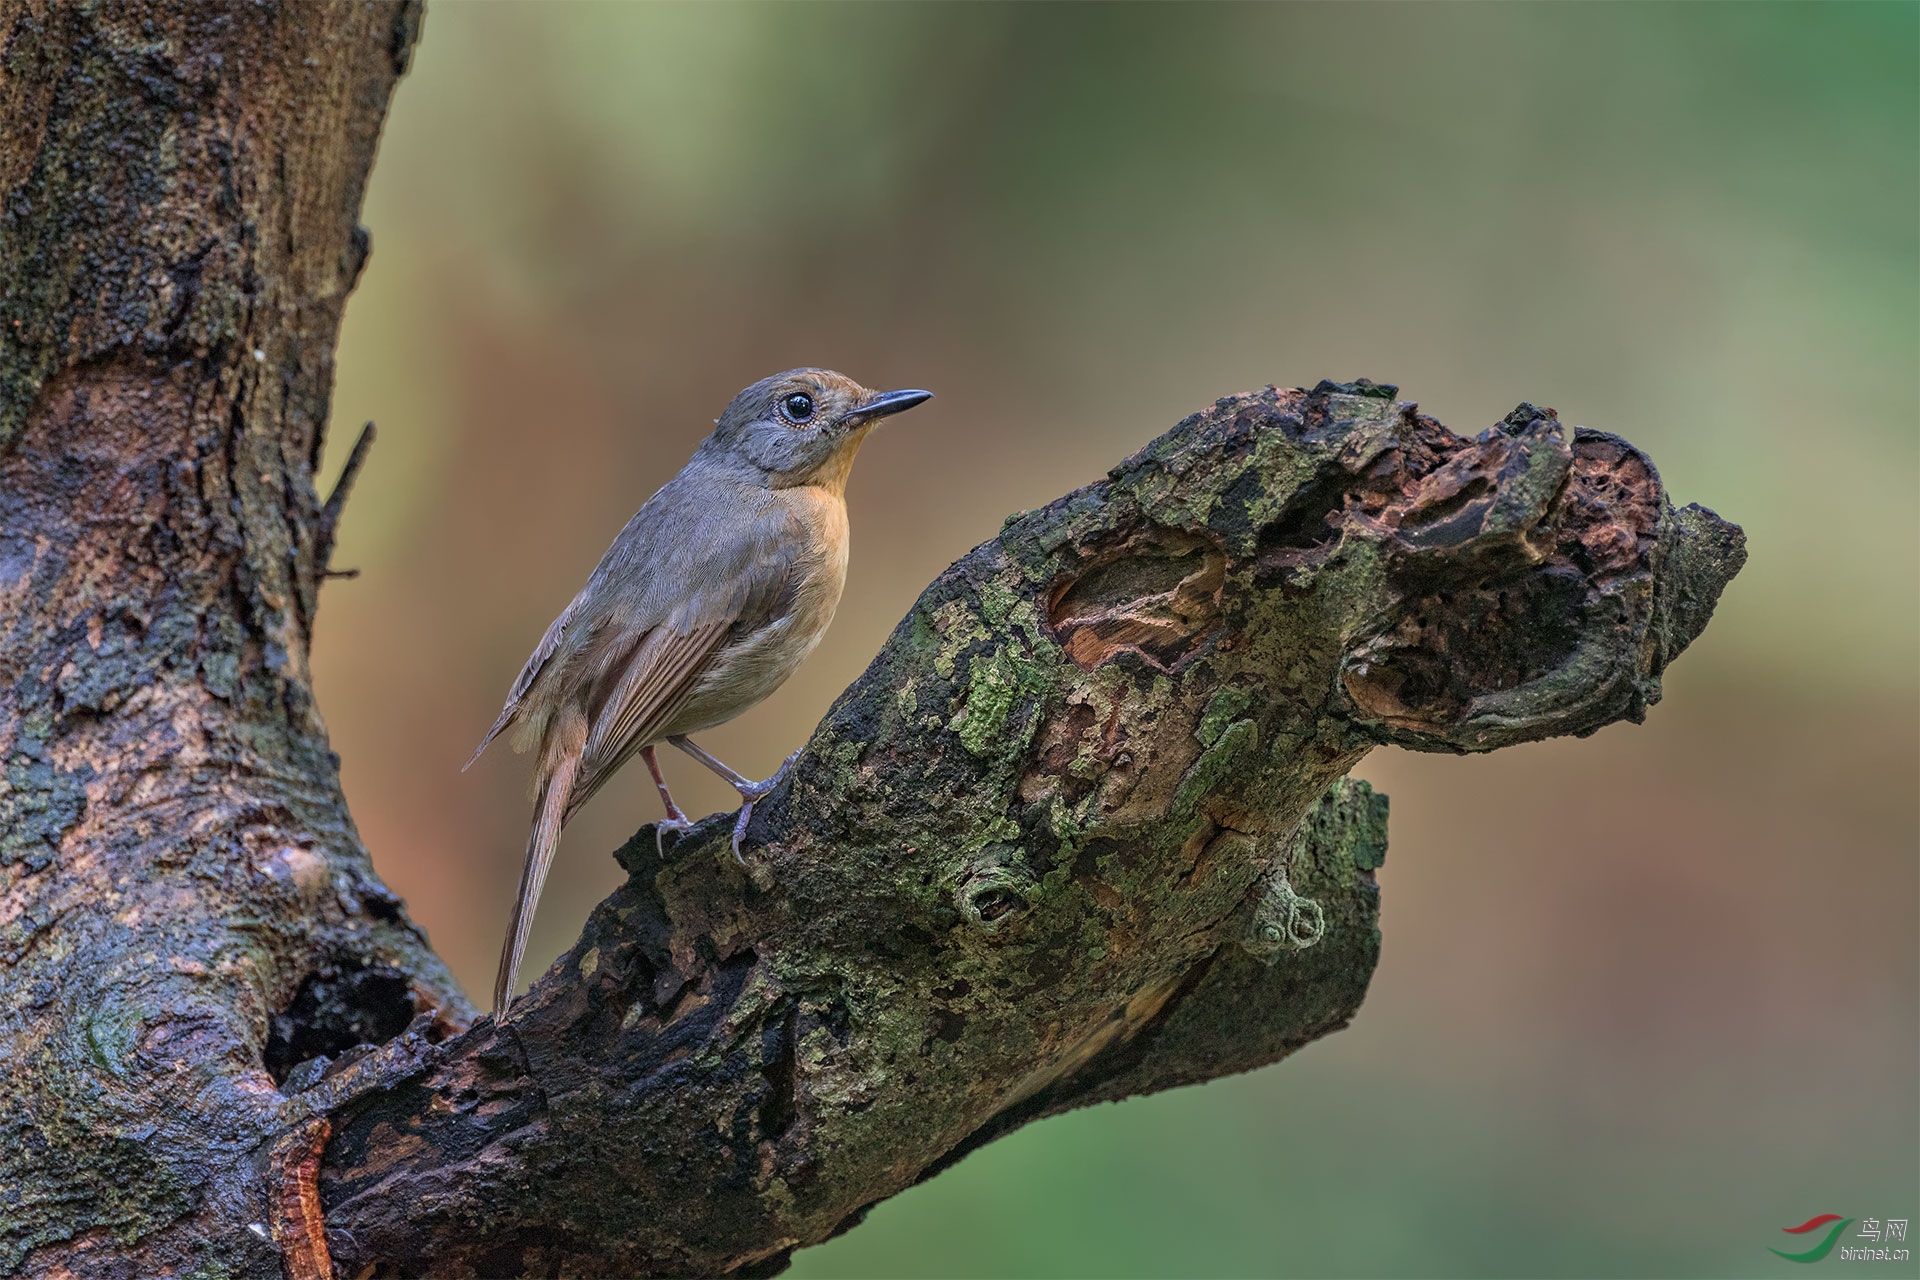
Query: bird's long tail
x=567, y=741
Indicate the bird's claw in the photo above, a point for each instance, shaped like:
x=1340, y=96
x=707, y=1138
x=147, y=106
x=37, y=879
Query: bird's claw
x=751, y=793
x=740, y=831
x=678, y=826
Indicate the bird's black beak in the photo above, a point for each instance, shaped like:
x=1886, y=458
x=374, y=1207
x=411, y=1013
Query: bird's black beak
x=888, y=403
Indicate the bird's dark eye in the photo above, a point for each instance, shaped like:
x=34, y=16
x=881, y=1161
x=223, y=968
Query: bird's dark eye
x=797, y=407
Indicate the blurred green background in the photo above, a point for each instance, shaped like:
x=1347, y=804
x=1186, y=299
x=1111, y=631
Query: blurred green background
x=1646, y=998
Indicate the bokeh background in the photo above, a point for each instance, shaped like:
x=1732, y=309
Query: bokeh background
x=1645, y=998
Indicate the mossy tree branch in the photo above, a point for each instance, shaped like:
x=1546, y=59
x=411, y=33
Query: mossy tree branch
x=1081, y=831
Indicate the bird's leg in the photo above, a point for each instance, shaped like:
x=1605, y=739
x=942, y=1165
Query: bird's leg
x=749, y=790
x=675, y=821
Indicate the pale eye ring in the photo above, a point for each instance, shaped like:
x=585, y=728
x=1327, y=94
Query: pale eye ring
x=797, y=408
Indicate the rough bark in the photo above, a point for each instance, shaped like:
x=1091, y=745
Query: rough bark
x=1081, y=830
x=176, y=860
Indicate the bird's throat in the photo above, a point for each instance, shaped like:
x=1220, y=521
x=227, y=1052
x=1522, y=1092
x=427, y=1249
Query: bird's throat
x=831, y=475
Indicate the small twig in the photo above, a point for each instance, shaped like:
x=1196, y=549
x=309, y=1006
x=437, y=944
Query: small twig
x=330, y=513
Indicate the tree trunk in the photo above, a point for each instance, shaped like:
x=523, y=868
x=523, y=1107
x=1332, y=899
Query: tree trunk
x=1081, y=831
x=182, y=185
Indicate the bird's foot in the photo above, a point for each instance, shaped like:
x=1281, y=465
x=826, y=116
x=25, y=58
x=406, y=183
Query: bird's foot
x=678, y=825
x=740, y=831
x=754, y=790
x=749, y=794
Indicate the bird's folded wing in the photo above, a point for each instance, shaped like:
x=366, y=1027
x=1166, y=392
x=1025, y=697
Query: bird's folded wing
x=664, y=671
x=669, y=661
x=549, y=643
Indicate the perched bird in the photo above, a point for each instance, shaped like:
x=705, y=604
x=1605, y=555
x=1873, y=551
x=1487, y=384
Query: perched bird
x=717, y=589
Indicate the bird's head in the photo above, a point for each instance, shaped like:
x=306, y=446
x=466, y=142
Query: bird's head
x=804, y=426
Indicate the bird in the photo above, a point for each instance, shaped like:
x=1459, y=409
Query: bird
x=711, y=596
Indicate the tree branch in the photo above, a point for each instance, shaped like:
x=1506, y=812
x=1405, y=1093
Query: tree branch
x=1081, y=831
x=1076, y=834
x=337, y=503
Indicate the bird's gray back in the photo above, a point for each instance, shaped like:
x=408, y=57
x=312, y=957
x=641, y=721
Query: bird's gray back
x=703, y=547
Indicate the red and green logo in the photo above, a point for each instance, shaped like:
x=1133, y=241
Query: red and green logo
x=1820, y=1250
